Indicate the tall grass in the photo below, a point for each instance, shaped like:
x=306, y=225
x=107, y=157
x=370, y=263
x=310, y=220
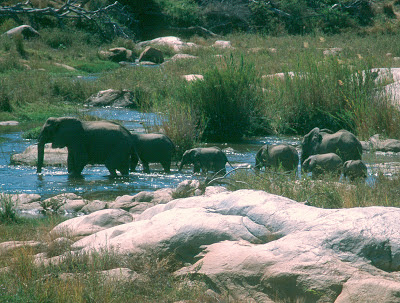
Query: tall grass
x=228, y=100
x=331, y=94
x=7, y=209
x=326, y=193
x=78, y=277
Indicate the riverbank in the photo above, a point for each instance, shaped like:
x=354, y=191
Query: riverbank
x=297, y=83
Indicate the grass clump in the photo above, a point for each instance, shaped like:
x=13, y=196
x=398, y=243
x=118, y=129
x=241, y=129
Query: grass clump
x=330, y=94
x=7, y=209
x=82, y=277
x=228, y=100
x=326, y=193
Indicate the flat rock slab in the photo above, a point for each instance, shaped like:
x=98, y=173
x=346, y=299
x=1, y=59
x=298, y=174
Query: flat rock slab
x=263, y=247
x=52, y=156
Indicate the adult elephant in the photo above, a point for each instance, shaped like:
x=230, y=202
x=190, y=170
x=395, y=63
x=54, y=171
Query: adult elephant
x=88, y=142
x=153, y=148
x=355, y=169
x=205, y=159
x=281, y=155
x=323, y=163
x=343, y=143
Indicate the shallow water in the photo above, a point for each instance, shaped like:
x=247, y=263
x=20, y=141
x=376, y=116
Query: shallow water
x=97, y=184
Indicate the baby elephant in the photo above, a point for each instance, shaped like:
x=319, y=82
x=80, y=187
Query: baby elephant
x=281, y=155
x=323, y=163
x=355, y=169
x=152, y=148
x=206, y=158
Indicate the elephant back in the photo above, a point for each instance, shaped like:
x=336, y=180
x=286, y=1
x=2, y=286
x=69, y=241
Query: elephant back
x=343, y=143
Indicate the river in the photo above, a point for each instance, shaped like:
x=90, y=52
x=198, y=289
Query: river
x=97, y=184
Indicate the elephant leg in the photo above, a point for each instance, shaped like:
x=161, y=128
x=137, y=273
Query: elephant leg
x=70, y=163
x=124, y=171
x=196, y=168
x=111, y=166
x=167, y=166
x=134, y=162
x=75, y=167
x=146, y=167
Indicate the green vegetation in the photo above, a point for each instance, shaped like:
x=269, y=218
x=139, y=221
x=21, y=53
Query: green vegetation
x=79, y=278
x=326, y=193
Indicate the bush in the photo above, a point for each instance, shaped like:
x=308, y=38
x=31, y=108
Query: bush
x=329, y=94
x=7, y=209
x=229, y=100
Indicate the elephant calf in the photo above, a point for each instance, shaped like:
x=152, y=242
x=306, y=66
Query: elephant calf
x=343, y=143
x=323, y=163
x=355, y=169
x=281, y=155
x=153, y=148
x=206, y=158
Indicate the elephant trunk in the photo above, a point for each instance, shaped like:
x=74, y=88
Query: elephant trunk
x=40, y=156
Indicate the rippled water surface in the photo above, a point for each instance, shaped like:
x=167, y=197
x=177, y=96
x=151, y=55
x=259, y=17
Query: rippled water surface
x=96, y=183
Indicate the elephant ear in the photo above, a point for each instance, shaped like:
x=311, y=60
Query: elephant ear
x=316, y=136
x=67, y=131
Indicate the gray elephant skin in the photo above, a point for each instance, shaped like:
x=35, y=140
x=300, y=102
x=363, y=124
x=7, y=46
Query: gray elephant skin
x=88, y=142
x=205, y=159
x=323, y=163
x=281, y=155
x=153, y=148
x=343, y=143
x=355, y=169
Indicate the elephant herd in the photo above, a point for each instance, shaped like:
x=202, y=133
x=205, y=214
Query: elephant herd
x=322, y=151
x=109, y=143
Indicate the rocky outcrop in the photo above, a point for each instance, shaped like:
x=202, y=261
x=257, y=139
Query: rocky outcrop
x=117, y=54
x=173, y=42
x=52, y=156
x=263, y=247
x=93, y=223
x=223, y=44
x=151, y=54
x=385, y=145
x=113, y=98
x=26, y=31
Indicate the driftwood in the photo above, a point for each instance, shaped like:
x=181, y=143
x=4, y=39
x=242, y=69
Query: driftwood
x=101, y=18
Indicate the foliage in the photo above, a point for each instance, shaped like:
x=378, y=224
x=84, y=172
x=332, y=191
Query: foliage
x=78, y=277
x=7, y=209
x=228, y=100
x=331, y=94
x=326, y=193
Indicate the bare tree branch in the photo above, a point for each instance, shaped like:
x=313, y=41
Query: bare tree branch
x=102, y=18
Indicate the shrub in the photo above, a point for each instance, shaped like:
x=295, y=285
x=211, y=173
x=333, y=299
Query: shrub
x=228, y=100
x=329, y=94
x=7, y=209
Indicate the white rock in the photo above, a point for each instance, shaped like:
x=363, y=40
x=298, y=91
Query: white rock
x=92, y=223
x=257, y=245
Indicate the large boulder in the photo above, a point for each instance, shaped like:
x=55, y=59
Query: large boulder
x=52, y=156
x=93, y=223
x=173, y=42
x=151, y=54
x=266, y=248
x=386, y=145
x=26, y=31
x=117, y=54
x=113, y=98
